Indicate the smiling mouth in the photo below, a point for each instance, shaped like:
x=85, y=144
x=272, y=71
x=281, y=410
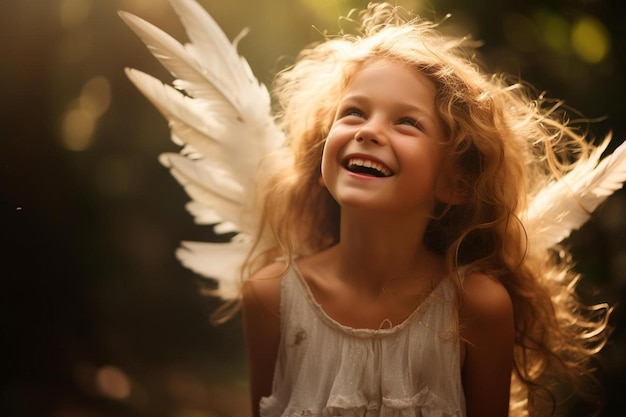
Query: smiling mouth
x=368, y=167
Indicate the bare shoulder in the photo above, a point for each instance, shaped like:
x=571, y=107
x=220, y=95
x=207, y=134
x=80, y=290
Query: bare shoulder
x=261, y=291
x=485, y=299
x=486, y=314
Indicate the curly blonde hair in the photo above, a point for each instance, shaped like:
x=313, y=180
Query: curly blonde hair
x=504, y=146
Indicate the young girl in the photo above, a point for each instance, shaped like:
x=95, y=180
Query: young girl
x=403, y=282
x=407, y=260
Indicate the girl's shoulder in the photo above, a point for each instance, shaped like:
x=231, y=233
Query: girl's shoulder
x=261, y=291
x=486, y=313
x=484, y=298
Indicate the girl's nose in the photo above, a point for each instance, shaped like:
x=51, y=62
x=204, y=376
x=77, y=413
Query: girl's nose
x=371, y=132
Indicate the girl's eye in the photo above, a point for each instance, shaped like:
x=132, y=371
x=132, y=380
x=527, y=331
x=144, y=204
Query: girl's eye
x=353, y=112
x=409, y=121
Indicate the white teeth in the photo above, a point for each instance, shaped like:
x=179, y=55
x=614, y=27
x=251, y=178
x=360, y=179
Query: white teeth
x=369, y=164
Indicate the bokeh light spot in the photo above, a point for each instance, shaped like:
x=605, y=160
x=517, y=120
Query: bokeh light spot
x=554, y=30
x=80, y=120
x=78, y=129
x=590, y=40
x=95, y=97
x=113, y=383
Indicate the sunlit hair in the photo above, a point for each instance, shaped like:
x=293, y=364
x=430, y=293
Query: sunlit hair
x=502, y=144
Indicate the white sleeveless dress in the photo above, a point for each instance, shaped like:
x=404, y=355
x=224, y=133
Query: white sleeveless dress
x=327, y=369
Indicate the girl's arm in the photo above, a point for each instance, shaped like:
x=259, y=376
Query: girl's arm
x=488, y=331
x=261, y=319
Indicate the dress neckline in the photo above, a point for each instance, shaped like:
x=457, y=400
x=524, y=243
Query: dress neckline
x=362, y=332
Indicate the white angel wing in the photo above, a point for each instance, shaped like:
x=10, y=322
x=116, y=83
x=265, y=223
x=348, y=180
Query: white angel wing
x=564, y=206
x=221, y=116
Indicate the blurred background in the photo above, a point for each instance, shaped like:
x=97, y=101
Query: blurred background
x=98, y=317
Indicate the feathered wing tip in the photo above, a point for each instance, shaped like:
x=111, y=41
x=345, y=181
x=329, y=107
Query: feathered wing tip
x=220, y=115
x=217, y=261
x=565, y=205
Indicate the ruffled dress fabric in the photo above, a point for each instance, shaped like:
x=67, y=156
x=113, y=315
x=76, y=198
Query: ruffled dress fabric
x=327, y=369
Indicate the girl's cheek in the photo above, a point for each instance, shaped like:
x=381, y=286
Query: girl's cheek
x=340, y=131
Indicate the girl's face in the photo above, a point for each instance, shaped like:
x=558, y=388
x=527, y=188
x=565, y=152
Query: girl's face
x=385, y=148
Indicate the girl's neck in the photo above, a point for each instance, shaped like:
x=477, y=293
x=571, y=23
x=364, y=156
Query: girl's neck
x=375, y=249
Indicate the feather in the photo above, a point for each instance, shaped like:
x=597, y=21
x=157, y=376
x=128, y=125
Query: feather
x=564, y=206
x=220, y=115
x=175, y=58
x=219, y=261
x=206, y=35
